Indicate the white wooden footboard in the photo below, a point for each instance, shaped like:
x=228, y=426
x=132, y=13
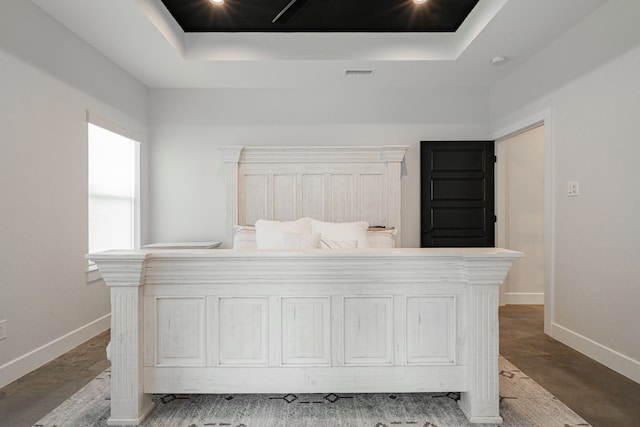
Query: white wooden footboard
x=224, y=321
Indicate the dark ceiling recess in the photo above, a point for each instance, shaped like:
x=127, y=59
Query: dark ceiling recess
x=320, y=15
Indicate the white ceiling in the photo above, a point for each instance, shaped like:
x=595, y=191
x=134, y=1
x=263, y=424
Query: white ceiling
x=142, y=37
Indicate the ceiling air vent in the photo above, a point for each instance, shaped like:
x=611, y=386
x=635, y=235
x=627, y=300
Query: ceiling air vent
x=358, y=73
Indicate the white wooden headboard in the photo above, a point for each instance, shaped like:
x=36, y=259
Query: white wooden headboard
x=339, y=184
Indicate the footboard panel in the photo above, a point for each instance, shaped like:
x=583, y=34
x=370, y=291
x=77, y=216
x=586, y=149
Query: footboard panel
x=410, y=320
x=336, y=330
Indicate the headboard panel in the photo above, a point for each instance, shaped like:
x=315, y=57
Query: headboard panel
x=336, y=184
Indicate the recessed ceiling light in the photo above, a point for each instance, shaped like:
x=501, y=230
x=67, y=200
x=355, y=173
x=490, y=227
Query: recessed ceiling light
x=419, y=1
x=216, y=2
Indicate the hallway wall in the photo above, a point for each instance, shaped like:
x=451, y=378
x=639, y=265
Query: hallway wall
x=524, y=215
x=594, y=132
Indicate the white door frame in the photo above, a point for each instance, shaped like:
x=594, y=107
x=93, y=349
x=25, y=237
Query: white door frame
x=541, y=118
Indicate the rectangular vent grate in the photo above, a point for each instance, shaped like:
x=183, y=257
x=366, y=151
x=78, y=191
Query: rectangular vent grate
x=362, y=73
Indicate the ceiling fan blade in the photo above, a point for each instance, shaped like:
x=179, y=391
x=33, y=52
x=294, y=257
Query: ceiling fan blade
x=289, y=11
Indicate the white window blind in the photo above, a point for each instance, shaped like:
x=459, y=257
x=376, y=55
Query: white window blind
x=113, y=178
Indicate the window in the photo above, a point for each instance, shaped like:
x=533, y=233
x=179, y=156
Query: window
x=113, y=190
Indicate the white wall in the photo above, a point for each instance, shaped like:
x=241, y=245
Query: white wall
x=188, y=126
x=48, y=81
x=524, y=215
x=595, y=134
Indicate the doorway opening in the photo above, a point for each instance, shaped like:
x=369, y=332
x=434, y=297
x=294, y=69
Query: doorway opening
x=521, y=195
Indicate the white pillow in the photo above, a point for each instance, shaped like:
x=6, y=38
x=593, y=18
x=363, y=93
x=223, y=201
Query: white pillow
x=300, y=240
x=244, y=237
x=341, y=231
x=269, y=233
x=382, y=238
x=338, y=244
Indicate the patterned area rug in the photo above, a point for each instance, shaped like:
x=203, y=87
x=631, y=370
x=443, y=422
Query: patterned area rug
x=523, y=403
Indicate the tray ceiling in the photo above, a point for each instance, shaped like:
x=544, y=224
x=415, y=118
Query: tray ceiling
x=320, y=15
x=146, y=40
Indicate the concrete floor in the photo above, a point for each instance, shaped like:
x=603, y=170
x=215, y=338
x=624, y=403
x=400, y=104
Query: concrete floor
x=601, y=396
x=28, y=399
x=598, y=394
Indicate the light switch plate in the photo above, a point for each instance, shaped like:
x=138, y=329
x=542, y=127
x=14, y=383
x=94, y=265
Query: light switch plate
x=3, y=329
x=573, y=188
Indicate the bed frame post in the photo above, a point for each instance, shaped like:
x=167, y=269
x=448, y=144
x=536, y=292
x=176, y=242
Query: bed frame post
x=393, y=155
x=129, y=404
x=481, y=402
x=231, y=158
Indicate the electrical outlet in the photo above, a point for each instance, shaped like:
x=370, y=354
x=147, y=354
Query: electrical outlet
x=3, y=329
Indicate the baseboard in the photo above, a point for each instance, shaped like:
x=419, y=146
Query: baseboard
x=610, y=358
x=21, y=366
x=524, y=298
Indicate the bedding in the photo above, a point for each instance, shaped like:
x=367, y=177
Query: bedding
x=301, y=240
x=342, y=231
x=270, y=234
x=382, y=237
x=338, y=244
x=244, y=237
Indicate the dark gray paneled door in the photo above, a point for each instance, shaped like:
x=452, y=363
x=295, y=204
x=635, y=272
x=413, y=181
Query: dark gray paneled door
x=457, y=193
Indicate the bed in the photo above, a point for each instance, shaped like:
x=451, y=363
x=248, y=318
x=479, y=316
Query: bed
x=297, y=319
